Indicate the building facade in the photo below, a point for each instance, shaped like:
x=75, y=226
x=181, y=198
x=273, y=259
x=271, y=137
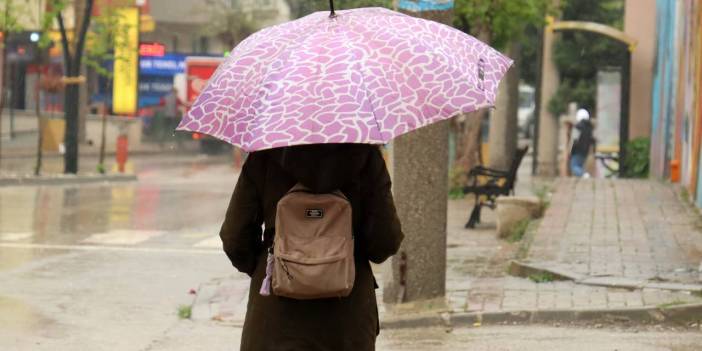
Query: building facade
x=183, y=25
x=676, y=125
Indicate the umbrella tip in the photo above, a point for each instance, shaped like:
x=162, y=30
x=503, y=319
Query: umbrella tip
x=332, y=14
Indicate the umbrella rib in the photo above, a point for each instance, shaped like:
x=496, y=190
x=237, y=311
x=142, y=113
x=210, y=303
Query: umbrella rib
x=283, y=51
x=368, y=93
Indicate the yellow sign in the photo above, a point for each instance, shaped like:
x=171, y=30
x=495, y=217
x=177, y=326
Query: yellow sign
x=126, y=70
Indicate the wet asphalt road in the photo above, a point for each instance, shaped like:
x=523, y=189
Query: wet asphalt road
x=105, y=267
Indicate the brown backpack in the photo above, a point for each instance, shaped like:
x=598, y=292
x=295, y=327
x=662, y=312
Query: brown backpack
x=313, y=247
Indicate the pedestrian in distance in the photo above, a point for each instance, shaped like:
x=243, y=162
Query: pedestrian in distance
x=583, y=142
x=358, y=174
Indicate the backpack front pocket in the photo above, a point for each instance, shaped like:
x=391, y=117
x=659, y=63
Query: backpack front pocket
x=314, y=278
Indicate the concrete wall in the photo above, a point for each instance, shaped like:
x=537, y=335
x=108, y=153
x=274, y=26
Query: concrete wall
x=640, y=22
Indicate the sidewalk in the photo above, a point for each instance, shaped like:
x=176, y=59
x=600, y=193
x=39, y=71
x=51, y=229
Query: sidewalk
x=625, y=232
x=597, y=228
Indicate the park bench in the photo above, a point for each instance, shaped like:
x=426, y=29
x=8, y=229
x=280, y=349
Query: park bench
x=488, y=184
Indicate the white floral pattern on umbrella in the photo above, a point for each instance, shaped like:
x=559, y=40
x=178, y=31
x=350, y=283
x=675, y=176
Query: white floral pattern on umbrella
x=365, y=76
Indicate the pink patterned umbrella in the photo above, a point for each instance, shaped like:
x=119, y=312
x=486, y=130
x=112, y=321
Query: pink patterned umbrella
x=362, y=76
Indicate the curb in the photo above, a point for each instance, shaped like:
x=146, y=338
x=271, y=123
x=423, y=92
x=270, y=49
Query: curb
x=524, y=270
x=675, y=315
x=65, y=179
x=142, y=152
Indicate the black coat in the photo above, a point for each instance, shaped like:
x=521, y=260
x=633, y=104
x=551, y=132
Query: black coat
x=585, y=139
x=278, y=323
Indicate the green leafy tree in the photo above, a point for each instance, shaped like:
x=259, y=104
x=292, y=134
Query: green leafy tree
x=579, y=55
x=499, y=21
x=503, y=24
x=12, y=12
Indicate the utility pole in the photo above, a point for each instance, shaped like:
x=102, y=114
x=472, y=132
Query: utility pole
x=420, y=173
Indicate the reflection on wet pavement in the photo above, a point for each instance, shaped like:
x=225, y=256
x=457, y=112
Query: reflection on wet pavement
x=177, y=203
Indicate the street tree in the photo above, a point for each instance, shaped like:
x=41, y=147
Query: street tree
x=17, y=16
x=12, y=12
x=502, y=24
x=73, y=47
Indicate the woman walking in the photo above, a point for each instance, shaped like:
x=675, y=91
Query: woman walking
x=343, y=323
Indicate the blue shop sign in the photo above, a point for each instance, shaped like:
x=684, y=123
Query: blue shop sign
x=425, y=5
x=167, y=65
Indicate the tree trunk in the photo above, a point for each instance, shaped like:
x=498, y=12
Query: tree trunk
x=73, y=54
x=471, y=141
x=2, y=89
x=71, y=107
x=418, y=271
x=3, y=59
x=40, y=136
x=470, y=154
x=78, y=12
x=83, y=108
x=503, y=123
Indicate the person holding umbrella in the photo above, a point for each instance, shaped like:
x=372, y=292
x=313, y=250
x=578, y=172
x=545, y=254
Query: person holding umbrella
x=311, y=100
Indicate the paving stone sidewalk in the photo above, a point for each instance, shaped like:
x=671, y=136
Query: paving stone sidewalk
x=635, y=230
x=477, y=280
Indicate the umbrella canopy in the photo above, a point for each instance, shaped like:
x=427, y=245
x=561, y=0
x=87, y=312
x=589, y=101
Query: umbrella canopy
x=361, y=76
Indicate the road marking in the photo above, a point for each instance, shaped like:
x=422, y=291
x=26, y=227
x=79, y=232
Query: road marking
x=122, y=237
x=107, y=248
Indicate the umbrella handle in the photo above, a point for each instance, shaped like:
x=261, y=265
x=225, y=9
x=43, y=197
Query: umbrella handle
x=331, y=7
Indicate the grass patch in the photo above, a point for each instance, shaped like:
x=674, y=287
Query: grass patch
x=543, y=277
x=673, y=303
x=518, y=231
x=527, y=239
x=543, y=193
x=456, y=194
x=684, y=194
x=185, y=311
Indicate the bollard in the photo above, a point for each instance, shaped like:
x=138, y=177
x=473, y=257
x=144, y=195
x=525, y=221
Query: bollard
x=122, y=152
